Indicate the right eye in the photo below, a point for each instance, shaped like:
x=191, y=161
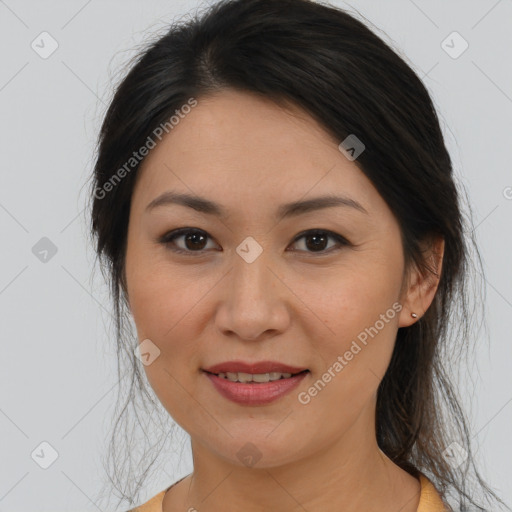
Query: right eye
x=194, y=240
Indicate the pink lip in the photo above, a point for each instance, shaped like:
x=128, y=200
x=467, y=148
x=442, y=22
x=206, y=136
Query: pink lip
x=256, y=393
x=258, y=367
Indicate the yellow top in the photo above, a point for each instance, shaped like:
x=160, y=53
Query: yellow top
x=430, y=501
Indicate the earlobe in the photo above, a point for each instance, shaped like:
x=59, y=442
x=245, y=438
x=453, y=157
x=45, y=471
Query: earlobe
x=424, y=284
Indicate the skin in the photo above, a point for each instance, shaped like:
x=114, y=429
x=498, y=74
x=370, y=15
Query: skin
x=293, y=304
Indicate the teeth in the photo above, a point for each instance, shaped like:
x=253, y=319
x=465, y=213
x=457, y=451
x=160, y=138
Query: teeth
x=259, y=377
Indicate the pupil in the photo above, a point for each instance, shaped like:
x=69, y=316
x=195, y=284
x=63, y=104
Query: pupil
x=194, y=238
x=316, y=245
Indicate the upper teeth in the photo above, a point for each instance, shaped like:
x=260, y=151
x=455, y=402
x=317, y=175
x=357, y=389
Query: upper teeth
x=259, y=377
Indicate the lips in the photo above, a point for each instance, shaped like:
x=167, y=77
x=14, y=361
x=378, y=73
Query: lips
x=255, y=394
x=253, y=368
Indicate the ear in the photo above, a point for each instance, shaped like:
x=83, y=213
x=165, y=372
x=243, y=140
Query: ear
x=421, y=284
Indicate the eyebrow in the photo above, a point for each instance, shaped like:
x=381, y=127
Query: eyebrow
x=292, y=209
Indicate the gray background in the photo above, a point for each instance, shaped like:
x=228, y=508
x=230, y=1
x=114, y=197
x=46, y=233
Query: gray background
x=57, y=367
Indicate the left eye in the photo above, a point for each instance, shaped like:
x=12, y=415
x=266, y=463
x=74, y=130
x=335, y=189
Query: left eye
x=318, y=239
x=194, y=240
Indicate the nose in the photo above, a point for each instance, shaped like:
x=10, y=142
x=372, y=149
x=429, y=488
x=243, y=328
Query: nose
x=254, y=304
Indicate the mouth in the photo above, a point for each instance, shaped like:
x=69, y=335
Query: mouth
x=255, y=378
x=260, y=383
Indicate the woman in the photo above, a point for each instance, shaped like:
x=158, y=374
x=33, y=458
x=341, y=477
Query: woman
x=276, y=208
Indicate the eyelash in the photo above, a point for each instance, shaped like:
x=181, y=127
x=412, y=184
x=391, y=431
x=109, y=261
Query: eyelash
x=168, y=240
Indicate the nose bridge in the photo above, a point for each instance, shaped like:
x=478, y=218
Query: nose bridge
x=250, y=304
x=251, y=276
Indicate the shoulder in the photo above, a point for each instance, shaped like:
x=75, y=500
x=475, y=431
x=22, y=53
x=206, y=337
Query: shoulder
x=155, y=503
x=152, y=505
x=430, y=500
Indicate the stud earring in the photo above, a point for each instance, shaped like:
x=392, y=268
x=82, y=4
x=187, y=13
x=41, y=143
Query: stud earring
x=414, y=315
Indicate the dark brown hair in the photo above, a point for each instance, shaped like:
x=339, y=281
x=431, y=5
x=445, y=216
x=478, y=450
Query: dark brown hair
x=342, y=74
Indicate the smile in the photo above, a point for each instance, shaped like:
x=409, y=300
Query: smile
x=255, y=389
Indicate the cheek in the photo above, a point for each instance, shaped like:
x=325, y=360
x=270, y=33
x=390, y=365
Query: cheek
x=360, y=332
x=352, y=298
x=353, y=357
x=150, y=303
x=167, y=305
x=359, y=313
x=155, y=292
x=163, y=311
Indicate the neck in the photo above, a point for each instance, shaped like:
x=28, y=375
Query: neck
x=351, y=474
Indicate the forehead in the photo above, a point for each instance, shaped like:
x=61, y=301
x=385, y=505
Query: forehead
x=239, y=148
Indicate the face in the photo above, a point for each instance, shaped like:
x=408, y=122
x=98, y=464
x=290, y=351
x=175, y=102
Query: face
x=317, y=289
